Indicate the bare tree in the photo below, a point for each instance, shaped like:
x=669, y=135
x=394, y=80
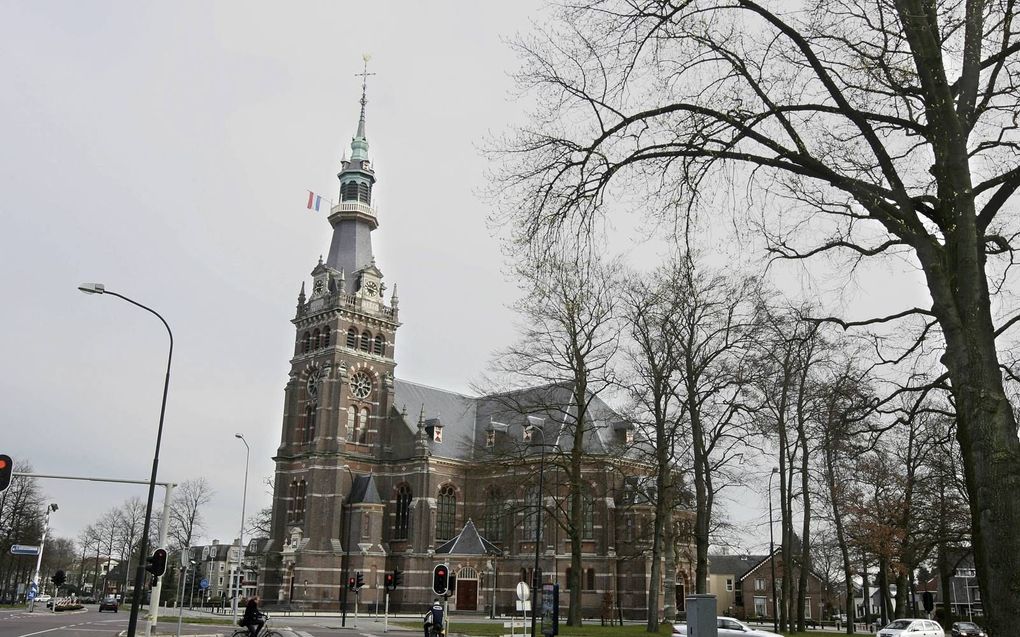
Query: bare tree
x=653, y=361
x=186, y=511
x=568, y=341
x=880, y=126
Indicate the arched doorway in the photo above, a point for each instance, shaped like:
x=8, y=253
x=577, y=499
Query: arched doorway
x=467, y=589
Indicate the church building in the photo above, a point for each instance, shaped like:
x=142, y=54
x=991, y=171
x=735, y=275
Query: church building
x=375, y=473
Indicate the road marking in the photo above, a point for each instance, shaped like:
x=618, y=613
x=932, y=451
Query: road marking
x=43, y=631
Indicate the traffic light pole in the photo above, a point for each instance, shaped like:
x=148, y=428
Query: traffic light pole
x=168, y=490
x=164, y=524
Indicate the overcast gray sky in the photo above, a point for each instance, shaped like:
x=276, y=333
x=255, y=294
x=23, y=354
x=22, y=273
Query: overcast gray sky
x=166, y=151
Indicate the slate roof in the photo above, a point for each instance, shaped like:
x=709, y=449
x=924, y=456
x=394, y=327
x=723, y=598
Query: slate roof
x=364, y=491
x=735, y=565
x=468, y=542
x=467, y=419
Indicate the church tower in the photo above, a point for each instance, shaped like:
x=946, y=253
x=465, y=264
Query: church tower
x=335, y=404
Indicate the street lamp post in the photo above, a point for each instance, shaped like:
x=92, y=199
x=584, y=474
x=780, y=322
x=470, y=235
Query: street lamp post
x=99, y=288
x=38, y=560
x=240, y=537
x=535, y=424
x=772, y=556
x=347, y=551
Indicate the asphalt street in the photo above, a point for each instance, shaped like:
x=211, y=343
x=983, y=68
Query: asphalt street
x=89, y=623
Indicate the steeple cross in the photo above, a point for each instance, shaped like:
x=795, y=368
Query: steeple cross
x=364, y=78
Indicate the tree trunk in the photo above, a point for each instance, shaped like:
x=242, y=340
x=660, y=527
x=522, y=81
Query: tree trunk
x=669, y=590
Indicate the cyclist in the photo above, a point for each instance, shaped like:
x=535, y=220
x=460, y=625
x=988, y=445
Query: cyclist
x=434, y=619
x=253, y=618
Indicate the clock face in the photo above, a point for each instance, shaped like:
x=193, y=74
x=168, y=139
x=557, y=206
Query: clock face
x=318, y=286
x=314, y=379
x=361, y=385
x=370, y=287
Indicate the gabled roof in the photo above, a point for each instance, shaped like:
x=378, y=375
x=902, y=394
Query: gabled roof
x=364, y=491
x=735, y=565
x=468, y=542
x=467, y=419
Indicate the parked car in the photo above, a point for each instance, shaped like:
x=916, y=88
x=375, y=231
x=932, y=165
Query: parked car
x=729, y=627
x=109, y=603
x=911, y=628
x=966, y=629
x=43, y=599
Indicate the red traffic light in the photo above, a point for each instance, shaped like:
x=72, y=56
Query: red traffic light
x=440, y=579
x=6, y=471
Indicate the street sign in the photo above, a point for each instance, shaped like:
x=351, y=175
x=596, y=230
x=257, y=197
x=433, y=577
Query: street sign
x=24, y=549
x=523, y=591
x=203, y=583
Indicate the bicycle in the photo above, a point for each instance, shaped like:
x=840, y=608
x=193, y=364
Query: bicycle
x=263, y=632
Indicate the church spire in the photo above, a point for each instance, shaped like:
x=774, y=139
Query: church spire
x=359, y=145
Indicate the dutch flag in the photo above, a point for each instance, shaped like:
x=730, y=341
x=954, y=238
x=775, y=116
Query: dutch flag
x=313, y=201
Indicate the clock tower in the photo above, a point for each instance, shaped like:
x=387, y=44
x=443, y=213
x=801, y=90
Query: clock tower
x=335, y=403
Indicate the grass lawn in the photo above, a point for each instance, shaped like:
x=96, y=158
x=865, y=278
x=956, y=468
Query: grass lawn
x=590, y=629
x=216, y=621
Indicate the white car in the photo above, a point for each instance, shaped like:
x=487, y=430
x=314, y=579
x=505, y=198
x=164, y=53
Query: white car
x=729, y=627
x=911, y=628
x=42, y=599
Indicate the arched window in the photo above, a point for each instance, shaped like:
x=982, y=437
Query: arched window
x=315, y=339
x=494, y=515
x=589, y=580
x=364, y=193
x=300, y=507
x=350, y=191
x=351, y=426
x=531, y=514
x=524, y=575
x=310, y=413
x=587, y=516
x=402, y=515
x=362, y=425
x=380, y=345
x=446, y=512
x=366, y=342
x=352, y=338
x=306, y=343
x=291, y=500
x=325, y=336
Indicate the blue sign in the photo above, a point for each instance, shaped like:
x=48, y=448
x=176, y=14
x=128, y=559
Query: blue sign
x=24, y=549
x=203, y=583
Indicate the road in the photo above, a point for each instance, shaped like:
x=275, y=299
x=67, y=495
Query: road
x=89, y=623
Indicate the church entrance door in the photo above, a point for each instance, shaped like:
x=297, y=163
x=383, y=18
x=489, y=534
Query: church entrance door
x=467, y=594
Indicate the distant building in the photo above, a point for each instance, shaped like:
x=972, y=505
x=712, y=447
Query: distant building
x=743, y=586
x=215, y=563
x=387, y=470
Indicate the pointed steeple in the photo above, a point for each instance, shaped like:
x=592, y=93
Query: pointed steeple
x=359, y=145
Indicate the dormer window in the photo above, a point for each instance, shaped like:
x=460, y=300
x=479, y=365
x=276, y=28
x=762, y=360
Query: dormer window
x=434, y=429
x=490, y=438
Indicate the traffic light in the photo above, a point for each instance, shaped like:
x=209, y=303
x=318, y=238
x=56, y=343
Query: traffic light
x=6, y=471
x=440, y=579
x=388, y=581
x=58, y=578
x=156, y=563
x=451, y=584
x=398, y=577
x=351, y=584
x=359, y=581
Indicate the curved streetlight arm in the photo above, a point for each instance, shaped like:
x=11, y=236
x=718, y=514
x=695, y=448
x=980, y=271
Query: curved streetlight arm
x=240, y=537
x=534, y=425
x=98, y=288
x=772, y=557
